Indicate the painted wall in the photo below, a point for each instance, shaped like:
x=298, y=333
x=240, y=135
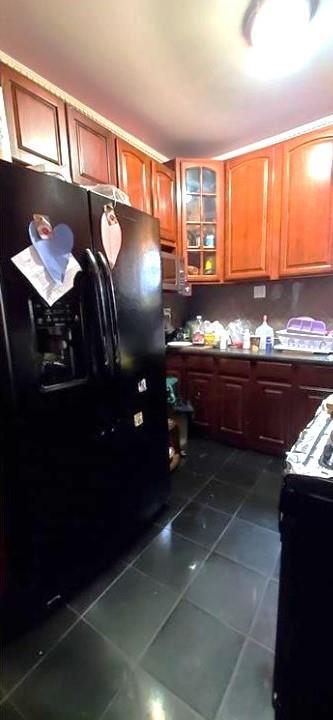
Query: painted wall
x=284, y=299
x=180, y=307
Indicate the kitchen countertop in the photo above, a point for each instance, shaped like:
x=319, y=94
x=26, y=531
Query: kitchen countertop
x=276, y=355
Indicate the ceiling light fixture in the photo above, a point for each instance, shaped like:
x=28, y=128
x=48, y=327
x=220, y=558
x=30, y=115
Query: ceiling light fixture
x=277, y=32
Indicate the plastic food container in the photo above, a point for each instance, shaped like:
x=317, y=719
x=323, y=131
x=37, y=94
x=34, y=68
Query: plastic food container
x=306, y=325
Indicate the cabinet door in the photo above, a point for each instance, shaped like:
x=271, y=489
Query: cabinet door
x=270, y=419
x=313, y=383
x=164, y=207
x=200, y=393
x=307, y=205
x=91, y=149
x=134, y=175
x=252, y=214
x=36, y=122
x=306, y=403
x=202, y=219
x=232, y=410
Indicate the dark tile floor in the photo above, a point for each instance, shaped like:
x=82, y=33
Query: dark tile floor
x=182, y=627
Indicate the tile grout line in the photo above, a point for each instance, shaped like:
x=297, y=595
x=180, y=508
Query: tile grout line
x=232, y=676
x=77, y=612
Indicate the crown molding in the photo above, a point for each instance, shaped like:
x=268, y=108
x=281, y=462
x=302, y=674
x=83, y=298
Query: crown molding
x=84, y=109
x=287, y=135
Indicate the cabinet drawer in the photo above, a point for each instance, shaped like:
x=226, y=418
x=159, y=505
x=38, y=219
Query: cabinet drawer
x=197, y=362
x=275, y=371
x=199, y=392
x=234, y=367
x=315, y=376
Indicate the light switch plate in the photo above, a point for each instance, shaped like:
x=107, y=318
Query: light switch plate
x=259, y=292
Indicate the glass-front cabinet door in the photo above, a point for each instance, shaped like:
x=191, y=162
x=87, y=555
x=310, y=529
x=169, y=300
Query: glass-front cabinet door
x=202, y=221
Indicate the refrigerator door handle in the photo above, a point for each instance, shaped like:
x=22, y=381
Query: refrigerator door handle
x=111, y=305
x=99, y=298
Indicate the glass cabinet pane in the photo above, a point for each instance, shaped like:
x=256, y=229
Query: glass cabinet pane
x=193, y=208
x=209, y=263
x=193, y=263
x=208, y=208
x=209, y=236
x=192, y=180
x=193, y=236
x=208, y=181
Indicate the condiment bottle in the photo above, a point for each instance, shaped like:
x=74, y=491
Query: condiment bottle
x=198, y=333
x=246, y=340
x=264, y=331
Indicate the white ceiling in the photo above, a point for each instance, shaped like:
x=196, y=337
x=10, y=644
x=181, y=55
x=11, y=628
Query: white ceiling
x=175, y=73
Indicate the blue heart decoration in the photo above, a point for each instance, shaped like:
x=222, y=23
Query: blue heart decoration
x=55, y=251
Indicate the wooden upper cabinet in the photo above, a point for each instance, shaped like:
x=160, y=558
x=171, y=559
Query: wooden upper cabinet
x=202, y=203
x=36, y=122
x=91, y=148
x=307, y=205
x=164, y=201
x=134, y=175
x=252, y=214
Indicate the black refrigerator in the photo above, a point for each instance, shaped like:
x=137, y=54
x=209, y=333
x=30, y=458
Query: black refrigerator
x=84, y=451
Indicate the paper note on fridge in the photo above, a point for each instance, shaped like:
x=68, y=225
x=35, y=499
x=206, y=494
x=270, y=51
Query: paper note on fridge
x=30, y=264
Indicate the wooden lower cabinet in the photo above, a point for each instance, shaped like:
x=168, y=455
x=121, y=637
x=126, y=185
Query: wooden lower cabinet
x=231, y=410
x=270, y=406
x=314, y=383
x=199, y=392
x=263, y=405
x=307, y=401
x=270, y=418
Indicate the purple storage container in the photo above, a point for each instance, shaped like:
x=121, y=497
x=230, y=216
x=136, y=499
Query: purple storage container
x=306, y=325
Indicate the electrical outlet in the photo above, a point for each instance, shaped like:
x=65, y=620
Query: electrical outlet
x=259, y=292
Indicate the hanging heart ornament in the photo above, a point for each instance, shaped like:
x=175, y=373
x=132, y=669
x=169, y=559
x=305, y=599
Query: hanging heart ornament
x=111, y=234
x=53, y=245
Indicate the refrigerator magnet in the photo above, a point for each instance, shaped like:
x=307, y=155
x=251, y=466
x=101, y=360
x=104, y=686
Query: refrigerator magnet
x=53, y=245
x=142, y=385
x=138, y=419
x=111, y=234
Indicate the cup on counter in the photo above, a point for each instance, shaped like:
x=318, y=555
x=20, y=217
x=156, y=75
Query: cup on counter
x=254, y=343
